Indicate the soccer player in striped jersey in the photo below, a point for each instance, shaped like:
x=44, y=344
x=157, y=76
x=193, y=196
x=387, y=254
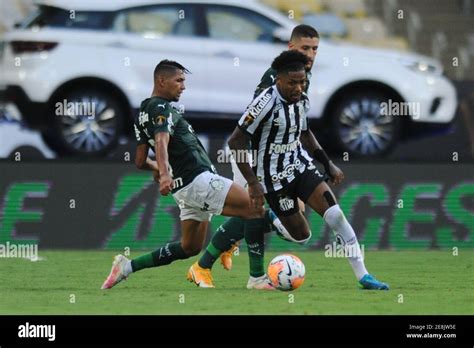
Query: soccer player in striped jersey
x=277, y=125
x=304, y=39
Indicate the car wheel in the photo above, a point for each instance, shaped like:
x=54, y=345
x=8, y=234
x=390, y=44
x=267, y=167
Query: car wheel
x=87, y=123
x=359, y=127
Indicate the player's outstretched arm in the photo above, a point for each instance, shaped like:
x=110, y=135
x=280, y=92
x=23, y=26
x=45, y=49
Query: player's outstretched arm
x=161, y=149
x=238, y=142
x=311, y=144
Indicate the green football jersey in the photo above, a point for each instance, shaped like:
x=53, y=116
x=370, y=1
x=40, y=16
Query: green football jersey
x=186, y=155
x=268, y=79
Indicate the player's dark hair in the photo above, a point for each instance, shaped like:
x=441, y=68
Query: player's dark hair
x=167, y=67
x=303, y=30
x=289, y=61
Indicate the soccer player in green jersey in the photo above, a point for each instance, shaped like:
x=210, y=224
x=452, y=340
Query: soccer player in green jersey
x=184, y=170
x=304, y=39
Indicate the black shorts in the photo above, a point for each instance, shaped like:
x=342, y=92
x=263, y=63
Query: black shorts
x=284, y=202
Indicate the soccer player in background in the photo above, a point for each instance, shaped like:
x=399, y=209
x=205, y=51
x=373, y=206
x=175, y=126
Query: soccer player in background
x=276, y=122
x=304, y=39
x=185, y=170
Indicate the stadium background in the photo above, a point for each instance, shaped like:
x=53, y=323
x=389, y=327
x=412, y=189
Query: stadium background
x=416, y=197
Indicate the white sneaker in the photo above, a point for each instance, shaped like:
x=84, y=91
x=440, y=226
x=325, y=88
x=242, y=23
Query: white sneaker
x=117, y=273
x=260, y=283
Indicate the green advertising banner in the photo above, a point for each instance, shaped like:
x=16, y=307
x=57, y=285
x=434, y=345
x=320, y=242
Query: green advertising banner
x=113, y=206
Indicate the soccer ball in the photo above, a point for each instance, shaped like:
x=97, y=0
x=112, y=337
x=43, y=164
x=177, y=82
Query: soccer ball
x=286, y=272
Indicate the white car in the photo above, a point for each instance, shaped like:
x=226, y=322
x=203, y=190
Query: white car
x=103, y=53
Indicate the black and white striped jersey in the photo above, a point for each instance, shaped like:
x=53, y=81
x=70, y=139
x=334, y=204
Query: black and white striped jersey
x=275, y=128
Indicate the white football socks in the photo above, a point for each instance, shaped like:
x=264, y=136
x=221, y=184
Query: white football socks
x=345, y=235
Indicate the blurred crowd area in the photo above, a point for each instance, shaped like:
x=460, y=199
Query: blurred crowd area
x=442, y=29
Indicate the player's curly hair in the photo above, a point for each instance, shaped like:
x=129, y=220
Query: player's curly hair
x=167, y=66
x=290, y=60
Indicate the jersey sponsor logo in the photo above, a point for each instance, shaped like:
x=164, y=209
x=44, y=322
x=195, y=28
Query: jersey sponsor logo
x=286, y=203
x=273, y=78
x=282, y=148
x=276, y=121
x=311, y=166
x=162, y=106
x=137, y=133
x=177, y=182
x=293, y=129
x=288, y=171
x=261, y=104
x=143, y=118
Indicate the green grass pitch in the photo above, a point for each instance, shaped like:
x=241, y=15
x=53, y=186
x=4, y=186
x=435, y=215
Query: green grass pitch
x=68, y=282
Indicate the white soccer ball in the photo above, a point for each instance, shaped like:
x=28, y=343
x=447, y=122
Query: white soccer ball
x=286, y=272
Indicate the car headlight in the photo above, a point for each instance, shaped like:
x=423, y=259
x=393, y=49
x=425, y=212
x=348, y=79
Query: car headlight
x=421, y=66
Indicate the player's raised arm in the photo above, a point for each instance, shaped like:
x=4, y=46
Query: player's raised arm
x=161, y=149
